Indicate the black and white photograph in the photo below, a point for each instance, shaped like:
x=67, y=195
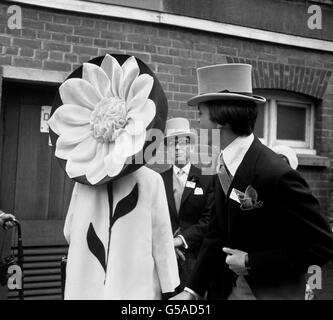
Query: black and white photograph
x=176, y=151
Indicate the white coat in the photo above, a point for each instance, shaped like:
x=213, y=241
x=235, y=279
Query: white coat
x=141, y=262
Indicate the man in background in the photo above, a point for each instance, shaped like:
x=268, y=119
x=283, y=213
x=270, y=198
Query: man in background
x=189, y=194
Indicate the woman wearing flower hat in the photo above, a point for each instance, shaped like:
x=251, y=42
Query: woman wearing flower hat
x=117, y=225
x=268, y=227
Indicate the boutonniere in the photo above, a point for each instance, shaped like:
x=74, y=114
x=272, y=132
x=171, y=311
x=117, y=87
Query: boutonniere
x=192, y=182
x=249, y=199
x=196, y=183
x=194, y=179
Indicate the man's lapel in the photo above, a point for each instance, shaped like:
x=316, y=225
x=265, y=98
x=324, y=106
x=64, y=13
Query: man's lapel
x=244, y=176
x=245, y=173
x=194, y=172
x=169, y=191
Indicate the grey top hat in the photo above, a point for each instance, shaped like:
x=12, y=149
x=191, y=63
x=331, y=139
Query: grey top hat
x=231, y=81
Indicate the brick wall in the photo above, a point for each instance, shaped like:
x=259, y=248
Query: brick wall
x=57, y=40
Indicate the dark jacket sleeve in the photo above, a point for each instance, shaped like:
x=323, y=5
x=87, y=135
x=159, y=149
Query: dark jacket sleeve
x=196, y=232
x=211, y=258
x=306, y=237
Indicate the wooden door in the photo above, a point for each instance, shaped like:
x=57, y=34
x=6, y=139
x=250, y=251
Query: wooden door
x=32, y=184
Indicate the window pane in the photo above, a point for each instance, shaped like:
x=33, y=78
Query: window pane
x=259, y=128
x=291, y=123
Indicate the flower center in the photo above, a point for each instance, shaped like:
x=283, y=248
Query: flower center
x=108, y=119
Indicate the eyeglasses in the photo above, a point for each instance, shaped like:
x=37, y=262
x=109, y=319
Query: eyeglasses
x=182, y=142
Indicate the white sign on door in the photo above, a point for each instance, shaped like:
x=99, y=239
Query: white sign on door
x=44, y=117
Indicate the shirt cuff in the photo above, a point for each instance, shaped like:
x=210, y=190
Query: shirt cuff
x=191, y=292
x=184, y=241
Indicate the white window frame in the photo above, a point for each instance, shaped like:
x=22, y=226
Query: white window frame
x=270, y=120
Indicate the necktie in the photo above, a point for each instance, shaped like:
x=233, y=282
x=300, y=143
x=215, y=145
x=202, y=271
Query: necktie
x=224, y=175
x=178, y=188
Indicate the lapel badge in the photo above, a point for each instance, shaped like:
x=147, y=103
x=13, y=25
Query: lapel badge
x=190, y=184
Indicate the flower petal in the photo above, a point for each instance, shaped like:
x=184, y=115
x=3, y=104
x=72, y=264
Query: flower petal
x=96, y=76
x=96, y=171
x=79, y=168
x=84, y=151
x=62, y=150
x=140, y=117
x=75, y=135
x=115, y=73
x=68, y=116
x=139, y=91
x=128, y=144
x=114, y=161
x=76, y=169
x=79, y=92
x=134, y=127
x=130, y=73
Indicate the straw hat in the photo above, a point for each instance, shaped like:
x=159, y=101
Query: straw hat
x=179, y=127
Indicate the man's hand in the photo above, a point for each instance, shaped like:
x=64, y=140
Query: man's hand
x=6, y=220
x=180, y=255
x=236, y=261
x=178, y=242
x=184, y=295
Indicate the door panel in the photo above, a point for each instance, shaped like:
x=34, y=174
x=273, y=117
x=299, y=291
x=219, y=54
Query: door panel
x=10, y=125
x=32, y=184
x=33, y=165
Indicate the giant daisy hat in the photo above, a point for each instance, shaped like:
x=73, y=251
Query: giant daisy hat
x=102, y=116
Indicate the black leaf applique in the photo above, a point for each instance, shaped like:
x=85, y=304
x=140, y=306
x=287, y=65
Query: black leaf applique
x=96, y=246
x=124, y=206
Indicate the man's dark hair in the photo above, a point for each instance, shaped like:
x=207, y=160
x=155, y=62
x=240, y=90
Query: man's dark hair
x=240, y=115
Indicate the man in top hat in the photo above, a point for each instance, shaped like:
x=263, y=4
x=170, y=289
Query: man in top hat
x=268, y=227
x=189, y=194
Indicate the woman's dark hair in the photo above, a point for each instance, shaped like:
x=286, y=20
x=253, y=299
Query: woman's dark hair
x=240, y=115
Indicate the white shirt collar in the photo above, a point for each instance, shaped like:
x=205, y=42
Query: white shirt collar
x=186, y=168
x=234, y=153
